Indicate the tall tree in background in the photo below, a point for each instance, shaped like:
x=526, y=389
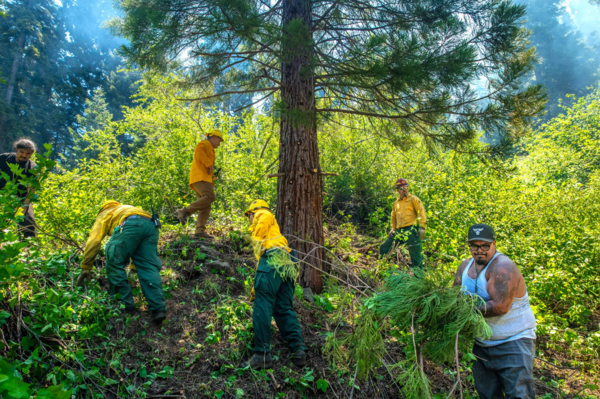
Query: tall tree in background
x=568, y=64
x=407, y=65
x=54, y=55
x=26, y=36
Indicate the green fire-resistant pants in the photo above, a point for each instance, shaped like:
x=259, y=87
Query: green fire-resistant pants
x=412, y=241
x=274, y=298
x=137, y=241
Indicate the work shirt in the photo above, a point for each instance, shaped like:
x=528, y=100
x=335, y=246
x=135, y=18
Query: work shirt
x=407, y=211
x=204, y=157
x=106, y=221
x=26, y=167
x=265, y=230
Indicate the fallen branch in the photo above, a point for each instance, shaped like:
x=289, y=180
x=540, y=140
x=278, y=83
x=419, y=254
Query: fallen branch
x=412, y=330
x=275, y=384
x=390, y=373
x=457, y=366
x=558, y=367
x=317, y=246
x=66, y=241
x=353, y=381
x=452, y=390
x=332, y=276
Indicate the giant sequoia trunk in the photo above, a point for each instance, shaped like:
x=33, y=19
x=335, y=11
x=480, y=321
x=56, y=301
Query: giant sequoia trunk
x=299, y=194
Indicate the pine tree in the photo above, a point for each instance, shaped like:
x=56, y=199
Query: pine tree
x=409, y=66
x=55, y=54
x=96, y=116
x=568, y=64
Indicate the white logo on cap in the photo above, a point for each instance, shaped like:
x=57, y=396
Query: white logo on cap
x=477, y=231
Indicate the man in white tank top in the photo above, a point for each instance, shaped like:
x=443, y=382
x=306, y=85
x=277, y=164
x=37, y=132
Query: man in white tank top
x=504, y=365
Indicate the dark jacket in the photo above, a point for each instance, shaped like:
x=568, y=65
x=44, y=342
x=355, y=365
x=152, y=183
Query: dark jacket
x=9, y=158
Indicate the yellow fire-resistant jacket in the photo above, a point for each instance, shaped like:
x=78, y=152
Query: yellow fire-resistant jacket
x=265, y=230
x=408, y=210
x=204, y=157
x=106, y=221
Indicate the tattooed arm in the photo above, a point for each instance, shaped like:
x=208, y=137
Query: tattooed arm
x=503, y=282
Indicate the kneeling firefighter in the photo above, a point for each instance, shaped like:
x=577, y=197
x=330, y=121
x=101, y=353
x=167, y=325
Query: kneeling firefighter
x=273, y=290
x=134, y=236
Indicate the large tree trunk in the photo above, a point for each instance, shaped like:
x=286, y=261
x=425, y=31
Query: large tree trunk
x=299, y=193
x=10, y=89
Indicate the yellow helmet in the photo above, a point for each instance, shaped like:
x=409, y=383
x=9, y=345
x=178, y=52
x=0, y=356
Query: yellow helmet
x=256, y=205
x=216, y=132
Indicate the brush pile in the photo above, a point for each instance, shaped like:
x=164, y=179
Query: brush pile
x=429, y=316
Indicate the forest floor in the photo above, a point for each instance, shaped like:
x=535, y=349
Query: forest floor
x=198, y=350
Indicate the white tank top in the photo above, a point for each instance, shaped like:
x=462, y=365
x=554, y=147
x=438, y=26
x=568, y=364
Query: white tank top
x=518, y=323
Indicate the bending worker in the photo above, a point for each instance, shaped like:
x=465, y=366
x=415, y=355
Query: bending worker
x=134, y=236
x=504, y=363
x=201, y=181
x=273, y=289
x=408, y=225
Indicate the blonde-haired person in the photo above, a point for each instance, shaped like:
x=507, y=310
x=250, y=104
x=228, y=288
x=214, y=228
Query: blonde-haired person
x=201, y=181
x=133, y=236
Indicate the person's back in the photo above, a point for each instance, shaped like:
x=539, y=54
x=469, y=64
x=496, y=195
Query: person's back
x=134, y=237
x=276, y=274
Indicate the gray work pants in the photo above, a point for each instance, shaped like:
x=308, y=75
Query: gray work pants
x=505, y=370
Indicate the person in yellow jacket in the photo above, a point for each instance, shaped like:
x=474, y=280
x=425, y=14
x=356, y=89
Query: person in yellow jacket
x=134, y=236
x=201, y=181
x=276, y=275
x=408, y=225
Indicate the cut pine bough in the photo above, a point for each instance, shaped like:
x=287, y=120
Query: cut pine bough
x=438, y=319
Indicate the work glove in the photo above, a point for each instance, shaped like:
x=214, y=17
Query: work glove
x=392, y=233
x=252, y=295
x=210, y=169
x=85, y=275
x=421, y=232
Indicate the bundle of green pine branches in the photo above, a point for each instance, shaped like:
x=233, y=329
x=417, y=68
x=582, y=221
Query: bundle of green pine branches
x=433, y=311
x=436, y=319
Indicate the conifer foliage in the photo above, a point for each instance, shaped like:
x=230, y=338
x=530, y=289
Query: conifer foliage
x=409, y=66
x=434, y=311
x=431, y=318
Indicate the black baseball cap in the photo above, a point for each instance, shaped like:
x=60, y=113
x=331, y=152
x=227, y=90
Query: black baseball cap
x=481, y=232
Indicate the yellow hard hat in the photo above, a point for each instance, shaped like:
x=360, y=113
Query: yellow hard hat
x=216, y=132
x=256, y=205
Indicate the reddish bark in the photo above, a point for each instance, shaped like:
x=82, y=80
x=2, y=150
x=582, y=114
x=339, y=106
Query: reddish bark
x=299, y=188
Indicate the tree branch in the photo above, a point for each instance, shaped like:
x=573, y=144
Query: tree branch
x=347, y=111
x=225, y=93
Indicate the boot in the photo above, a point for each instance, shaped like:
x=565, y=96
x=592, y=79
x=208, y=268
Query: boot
x=260, y=361
x=204, y=235
x=159, y=317
x=183, y=216
x=298, y=358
